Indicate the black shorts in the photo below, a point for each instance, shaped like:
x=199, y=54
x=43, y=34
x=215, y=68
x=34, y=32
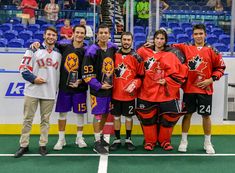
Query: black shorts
x=125, y=108
x=169, y=106
x=202, y=103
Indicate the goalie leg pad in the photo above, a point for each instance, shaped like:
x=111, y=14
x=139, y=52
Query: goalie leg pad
x=148, y=119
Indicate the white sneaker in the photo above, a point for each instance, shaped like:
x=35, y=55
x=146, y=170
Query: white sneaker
x=60, y=144
x=80, y=142
x=183, y=146
x=209, y=148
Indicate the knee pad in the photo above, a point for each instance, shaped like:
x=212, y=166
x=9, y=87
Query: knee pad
x=117, y=118
x=62, y=115
x=80, y=120
x=148, y=118
x=97, y=118
x=169, y=120
x=128, y=118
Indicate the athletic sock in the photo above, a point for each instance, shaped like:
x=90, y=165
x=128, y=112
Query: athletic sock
x=184, y=136
x=61, y=135
x=207, y=138
x=117, y=134
x=128, y=134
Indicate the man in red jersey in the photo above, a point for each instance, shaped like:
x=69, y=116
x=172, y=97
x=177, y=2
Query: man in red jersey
x=125, y=85
x=205, y=66
x=28, y=7
x=158, y=109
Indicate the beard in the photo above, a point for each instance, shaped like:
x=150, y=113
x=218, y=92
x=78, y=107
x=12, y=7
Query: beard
x=125, y=47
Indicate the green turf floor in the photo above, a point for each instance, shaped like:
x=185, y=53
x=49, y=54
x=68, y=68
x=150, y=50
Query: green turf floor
x=118, y=164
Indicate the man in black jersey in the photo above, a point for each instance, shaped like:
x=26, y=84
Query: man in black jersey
x=97, y=71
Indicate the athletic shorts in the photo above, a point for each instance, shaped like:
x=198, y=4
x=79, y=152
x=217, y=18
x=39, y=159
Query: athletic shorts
x=66, y=101
x=100, y=105
x=202, y=103
x=163, y=107
x=125, y=108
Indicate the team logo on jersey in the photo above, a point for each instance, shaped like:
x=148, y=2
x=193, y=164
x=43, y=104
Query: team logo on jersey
x=197, y=64
x=122, y=72
x=108, y=66
x=71, y=62
x=149, y=63
x=15, y=89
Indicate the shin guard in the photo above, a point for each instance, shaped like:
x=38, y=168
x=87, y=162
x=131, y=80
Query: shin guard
x=148, y=119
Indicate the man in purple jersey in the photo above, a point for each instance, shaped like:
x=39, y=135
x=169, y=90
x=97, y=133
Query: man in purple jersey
x=98, y=69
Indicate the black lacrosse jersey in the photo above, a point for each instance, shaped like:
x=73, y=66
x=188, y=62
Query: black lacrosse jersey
x=98, y=68
x=71, y=62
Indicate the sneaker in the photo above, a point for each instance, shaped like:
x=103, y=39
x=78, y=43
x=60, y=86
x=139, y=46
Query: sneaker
x=115, y=145
x=43, y=150
x=80, y=142
x=167, y=146
x=209, y=148
x=129, y=145
x=103, y=141
x=183, y=146
x=149, y=147
x=21, y=151
x=99, y=148
x=59, y=145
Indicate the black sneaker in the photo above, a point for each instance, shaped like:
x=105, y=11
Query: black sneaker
x=43, y=150
x=103, y=142
x=21, y=151
x=129, y=145
x=99, y=148
x=115, y=145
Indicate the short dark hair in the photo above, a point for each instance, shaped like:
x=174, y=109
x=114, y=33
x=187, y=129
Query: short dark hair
x=51, y=28
x=103, y=25
x=127, y=33
x=199, y=26
x=79, y=26
x=163, y=32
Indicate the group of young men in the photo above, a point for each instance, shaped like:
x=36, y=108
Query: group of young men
x=154, y=74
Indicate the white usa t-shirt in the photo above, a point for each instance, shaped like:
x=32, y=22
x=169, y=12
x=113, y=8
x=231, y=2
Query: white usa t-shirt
x=45, y=64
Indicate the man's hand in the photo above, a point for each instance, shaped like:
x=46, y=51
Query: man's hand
x=35, y=45
x=161, y=81
x=148, y=44
x=204, y=83
x=39, y=80
x=106, y=86
x=76, y=84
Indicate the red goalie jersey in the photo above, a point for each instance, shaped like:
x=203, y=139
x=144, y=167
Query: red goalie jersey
x=203, y=63
x=127, y=70
x=161, y=65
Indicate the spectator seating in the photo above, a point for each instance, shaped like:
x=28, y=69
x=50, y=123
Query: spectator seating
x=217, y=31
x=45, y=26
x=139, y=37
x=18, y=27
x=3, y=42
x=6, y=27
x=33, y=27
x=38, y=35
x=1, y=33
x=211, y=39
x=137, y=44
x=220, y=47
x=138, y=29
x=177, y=30
x=16, y=43
x=182, y=38
x=224, y=39
x=189, y=31
x=30, y=41
x=10, y=34
x=171, y=38
x=173, y=24
x=185, y=25
x=25, y=35
x=41, y=22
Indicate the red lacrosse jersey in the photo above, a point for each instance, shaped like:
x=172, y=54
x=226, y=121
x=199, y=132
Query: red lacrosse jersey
x=157, y=66
x=127, y=69
x=203, y=63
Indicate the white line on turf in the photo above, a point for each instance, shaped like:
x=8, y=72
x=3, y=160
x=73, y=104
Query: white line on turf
x=123, y=155
x=103, y=164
